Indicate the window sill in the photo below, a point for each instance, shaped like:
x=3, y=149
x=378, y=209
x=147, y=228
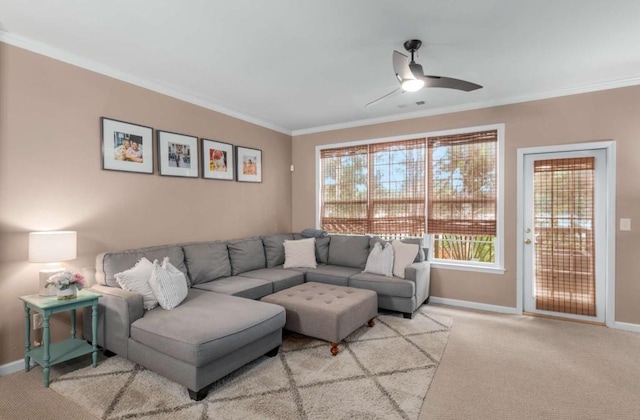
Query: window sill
x=468, y=267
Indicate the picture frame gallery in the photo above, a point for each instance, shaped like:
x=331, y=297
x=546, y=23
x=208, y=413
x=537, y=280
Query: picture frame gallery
x=130, y=147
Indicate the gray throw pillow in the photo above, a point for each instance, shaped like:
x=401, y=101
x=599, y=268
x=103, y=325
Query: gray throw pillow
x=246, y=255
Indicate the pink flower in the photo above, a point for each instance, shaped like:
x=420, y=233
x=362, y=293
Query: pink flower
x=79, y=280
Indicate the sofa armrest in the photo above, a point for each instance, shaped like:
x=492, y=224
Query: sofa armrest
x=420, y=274
x=117, y=310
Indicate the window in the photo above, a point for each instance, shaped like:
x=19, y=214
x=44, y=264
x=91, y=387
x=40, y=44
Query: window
x=462, y=200
x=376, y=188
x=443, y=184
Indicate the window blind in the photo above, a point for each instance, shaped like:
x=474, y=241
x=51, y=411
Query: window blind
x=344, y=189
x=397, y=188
x=462, y=189
x=563, y=226
x=374, y=189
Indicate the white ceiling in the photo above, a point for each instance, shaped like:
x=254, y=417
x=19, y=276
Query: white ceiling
x=301, y=65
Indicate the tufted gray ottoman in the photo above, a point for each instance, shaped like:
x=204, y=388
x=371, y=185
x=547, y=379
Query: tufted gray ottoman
x=326, y=311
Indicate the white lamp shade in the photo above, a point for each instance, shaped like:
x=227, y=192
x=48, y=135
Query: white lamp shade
x=50, y=247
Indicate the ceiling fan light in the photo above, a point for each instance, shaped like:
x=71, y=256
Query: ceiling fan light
x=412, y=85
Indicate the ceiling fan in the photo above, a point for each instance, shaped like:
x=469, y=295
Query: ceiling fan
x=412, y=77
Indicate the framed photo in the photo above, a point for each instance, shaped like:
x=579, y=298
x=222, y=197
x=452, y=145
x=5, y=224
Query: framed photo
x=177, y=154
x=217, y=160
x=248, y=164
x=126, y=146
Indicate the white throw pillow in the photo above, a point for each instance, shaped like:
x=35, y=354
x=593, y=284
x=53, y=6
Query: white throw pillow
x=136, y=279
x=168, y=284
x=403, y=255
x=300, y=253
x=380, y=260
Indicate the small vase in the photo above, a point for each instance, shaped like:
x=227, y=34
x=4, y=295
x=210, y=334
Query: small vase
x=70, y=292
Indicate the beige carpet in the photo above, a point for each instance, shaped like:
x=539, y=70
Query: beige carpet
x=504, y=367
x=383, y=372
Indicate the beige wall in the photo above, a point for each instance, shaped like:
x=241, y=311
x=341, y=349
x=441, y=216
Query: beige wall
x=603, y=115
x=50, y=176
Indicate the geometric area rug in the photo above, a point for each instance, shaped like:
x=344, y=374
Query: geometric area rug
x=383, y=372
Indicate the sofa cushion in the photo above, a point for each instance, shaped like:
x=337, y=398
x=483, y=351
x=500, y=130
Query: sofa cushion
x=207, y=261
x=281, y=278
x=110, y=263
x=246, y=255
x=349, y=251
x=182, y=334
x=322, y=250
x=245, y=287
x=383, y=285
x=274, y=248
x=422, y=255
x=331, y=274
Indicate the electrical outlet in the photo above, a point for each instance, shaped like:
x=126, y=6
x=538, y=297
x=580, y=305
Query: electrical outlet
x=37, y=321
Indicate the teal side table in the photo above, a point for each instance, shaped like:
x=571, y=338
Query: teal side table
x=49, y=354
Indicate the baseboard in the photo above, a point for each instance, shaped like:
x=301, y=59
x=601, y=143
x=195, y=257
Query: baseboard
x=475, y=305
x=626, y=326
x=13, y=367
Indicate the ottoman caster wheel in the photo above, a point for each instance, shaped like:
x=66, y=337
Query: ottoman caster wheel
x=334, y=349
x=371, y=323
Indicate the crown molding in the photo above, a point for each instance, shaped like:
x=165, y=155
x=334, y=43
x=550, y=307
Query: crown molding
x=472, y=106
x=64, y=56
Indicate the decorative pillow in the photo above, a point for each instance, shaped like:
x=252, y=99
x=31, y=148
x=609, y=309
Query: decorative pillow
x=136, y=279
x=301, y=253
x=322, y=247
x=168, y=284
x=403, y=255
x=422, y=255
x=380, y=260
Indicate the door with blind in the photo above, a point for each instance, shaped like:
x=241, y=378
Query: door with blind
x=564, y=237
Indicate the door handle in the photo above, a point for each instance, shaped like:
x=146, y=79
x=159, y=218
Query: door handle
x=527, y=241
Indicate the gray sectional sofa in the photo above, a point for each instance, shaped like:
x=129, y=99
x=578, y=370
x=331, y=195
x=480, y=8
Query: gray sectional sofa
x=222, y=325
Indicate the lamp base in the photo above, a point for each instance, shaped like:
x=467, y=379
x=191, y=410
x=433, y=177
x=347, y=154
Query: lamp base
x=44, y=276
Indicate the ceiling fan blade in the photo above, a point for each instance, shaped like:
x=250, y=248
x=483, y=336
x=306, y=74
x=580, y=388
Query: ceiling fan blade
x=401, y=66
x=388, y=95
x=449, y=83
x=416, y=70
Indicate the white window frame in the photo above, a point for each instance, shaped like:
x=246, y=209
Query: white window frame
x=495, y=267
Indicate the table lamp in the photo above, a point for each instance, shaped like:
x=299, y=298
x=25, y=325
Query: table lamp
x=52, y=248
